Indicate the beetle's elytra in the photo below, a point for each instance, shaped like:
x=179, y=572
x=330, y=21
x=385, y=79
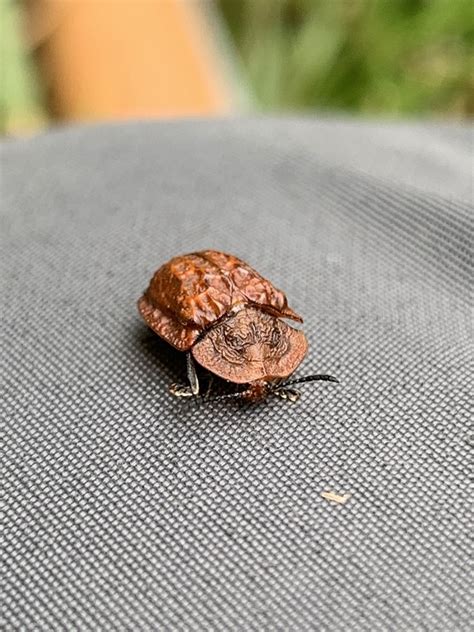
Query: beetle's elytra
x=229, y=319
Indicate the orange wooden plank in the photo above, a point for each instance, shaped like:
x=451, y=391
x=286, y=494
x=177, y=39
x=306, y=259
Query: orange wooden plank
x=129, y=58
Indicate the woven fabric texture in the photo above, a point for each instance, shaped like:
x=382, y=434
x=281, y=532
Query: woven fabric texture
x=127, y=509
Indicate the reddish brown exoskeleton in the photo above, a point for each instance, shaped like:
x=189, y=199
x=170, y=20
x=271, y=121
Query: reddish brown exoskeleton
x=222, y=313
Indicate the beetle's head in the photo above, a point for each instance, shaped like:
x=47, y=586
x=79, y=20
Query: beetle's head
x=251, y=345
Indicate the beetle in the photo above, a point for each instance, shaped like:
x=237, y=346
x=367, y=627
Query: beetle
x=229, y=319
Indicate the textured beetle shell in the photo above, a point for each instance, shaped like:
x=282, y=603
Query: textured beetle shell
x=191, y=292
x=251, y=345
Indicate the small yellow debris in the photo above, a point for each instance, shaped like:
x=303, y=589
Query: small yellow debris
x=336, y=498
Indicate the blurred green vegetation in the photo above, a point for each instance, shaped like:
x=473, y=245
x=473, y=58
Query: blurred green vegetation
x=382, y=57
x=390, y=57
x=20, y=94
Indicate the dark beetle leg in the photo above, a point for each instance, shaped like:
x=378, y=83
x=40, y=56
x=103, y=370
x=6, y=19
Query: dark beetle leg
x=191, y=390
x=209, y=386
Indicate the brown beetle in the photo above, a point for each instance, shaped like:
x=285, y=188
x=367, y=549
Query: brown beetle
x=222, y=313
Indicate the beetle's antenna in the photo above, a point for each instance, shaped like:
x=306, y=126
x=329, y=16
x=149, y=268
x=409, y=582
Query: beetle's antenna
x=310, y=378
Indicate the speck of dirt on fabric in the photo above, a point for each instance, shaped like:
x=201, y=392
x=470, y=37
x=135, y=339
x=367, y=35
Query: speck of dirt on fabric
x=340, y=499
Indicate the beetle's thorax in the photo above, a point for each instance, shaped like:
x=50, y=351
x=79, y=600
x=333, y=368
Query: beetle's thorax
x=249, y=345
x=258, y=391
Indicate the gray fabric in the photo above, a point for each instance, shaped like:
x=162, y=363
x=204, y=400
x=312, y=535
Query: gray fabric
x=129, y=510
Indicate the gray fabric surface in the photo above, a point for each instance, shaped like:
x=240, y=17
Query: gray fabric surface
x=129, y=510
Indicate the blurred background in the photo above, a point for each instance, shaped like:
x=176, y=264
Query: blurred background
x=90, y=60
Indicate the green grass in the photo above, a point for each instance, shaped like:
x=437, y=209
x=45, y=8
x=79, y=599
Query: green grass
x=390, y=57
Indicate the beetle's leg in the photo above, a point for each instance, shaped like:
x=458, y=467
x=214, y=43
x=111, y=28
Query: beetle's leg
x=290, y=394
x=192, y=375
x=191, y=389
x=209, y=386
x=180, y=390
